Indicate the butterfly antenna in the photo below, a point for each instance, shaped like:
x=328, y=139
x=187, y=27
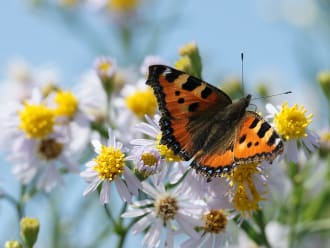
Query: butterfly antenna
x=242, y=72
x=279, y=94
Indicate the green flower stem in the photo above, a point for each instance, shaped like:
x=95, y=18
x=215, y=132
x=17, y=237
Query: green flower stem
x=296, y=200
x=322, y=201
x=258, y=237
x=109, y=214
x=259, y=219
x=18, y=204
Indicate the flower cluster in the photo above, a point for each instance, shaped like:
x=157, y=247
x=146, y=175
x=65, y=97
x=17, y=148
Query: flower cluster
x=48, y=132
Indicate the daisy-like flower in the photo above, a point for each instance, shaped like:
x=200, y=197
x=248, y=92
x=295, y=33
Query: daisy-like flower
x=105, y=68
x=37, y=146
x=212, y=230
x=171, y=210
x=174, y=166
x=147, y=160
x=109, y=167
x=292, y=124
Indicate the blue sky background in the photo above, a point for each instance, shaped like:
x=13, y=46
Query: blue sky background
x=286, y=55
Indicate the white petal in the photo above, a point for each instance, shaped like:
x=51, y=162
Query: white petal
x=184, y=222
x=143, y=223
x=152, y=238
x=122, y=190
x=169, y=237
x=92, y=186
x=105, y=192
x=133, y=183
x=97, y=145
x=142, y=142
x=147, y=129
x=292, y=150
x=136, y=212
x=148, y=189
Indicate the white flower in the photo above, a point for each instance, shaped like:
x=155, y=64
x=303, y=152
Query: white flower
x=173, y=162
x=148, y=61
x=292, y=124
x=109, y=167
x=277, y=234
x=172, y=210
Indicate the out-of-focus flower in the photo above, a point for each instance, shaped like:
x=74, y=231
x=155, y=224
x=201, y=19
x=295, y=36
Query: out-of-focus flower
x=292, y=124
x=324, y=80
x=29, y=230
x=69, y=3
x=142, y=102
x=122, y=5
x=212, y=230
x=13, y=244
x=37, y=146
x=150, y=60
x=109, y=167
x=106, y=68
x=170, y=209
x=190, y=60
x=277, y=234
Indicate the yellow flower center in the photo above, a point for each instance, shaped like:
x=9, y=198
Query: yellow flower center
x=109, y=163
x=215, y=221
x=122, y=5
x=67, y=104
x=166, y=152
x=166, y=207
x=292, y=122
x=149, y=159
x=142, y=103
x=37, y=121
x=50, y=149
x=246, y=196
x=104, y=66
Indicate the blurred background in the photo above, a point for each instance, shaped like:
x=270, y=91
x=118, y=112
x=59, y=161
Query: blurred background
x=286, y=43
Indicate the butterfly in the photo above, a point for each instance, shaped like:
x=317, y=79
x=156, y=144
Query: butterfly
x=199, y=122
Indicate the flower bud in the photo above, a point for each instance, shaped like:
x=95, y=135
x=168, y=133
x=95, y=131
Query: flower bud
x=190, y=51
x=324, y=80
x=29, y=230
x=13, y=244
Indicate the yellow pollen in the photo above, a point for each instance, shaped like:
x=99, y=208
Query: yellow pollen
x=166, y=207
x=291, y=123
x=247, y=202
x=37, y=121
x=109, y=163
x=104, y=67
x=142, y=103
x=215, y=221
x=67, y=104
x=166, y=152
x=50, y=149
x=243, y=173
x=122, y=5
x=149, y=159
x=246, y=196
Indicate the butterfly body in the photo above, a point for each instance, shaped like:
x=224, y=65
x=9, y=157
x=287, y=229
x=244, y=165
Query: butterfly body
x=199, y=122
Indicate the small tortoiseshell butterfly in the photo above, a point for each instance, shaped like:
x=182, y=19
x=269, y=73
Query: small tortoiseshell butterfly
x=201, y=123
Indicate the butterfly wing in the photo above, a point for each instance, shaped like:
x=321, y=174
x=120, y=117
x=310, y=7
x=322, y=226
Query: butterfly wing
x=180, y=98
x=253, y=141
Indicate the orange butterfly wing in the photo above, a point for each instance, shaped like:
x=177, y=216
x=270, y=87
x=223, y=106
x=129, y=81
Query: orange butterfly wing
x=180, y=96
x=255, y=141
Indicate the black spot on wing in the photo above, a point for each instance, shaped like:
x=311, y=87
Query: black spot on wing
x=242, y=138
x=172, y=75
x=177, y=93
x=272, y=139
x=181, y=100
x=193, y=107
x=263, y=129
x=249, y=144
x=206, y=92
x=191, y=84
x=254, y=123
